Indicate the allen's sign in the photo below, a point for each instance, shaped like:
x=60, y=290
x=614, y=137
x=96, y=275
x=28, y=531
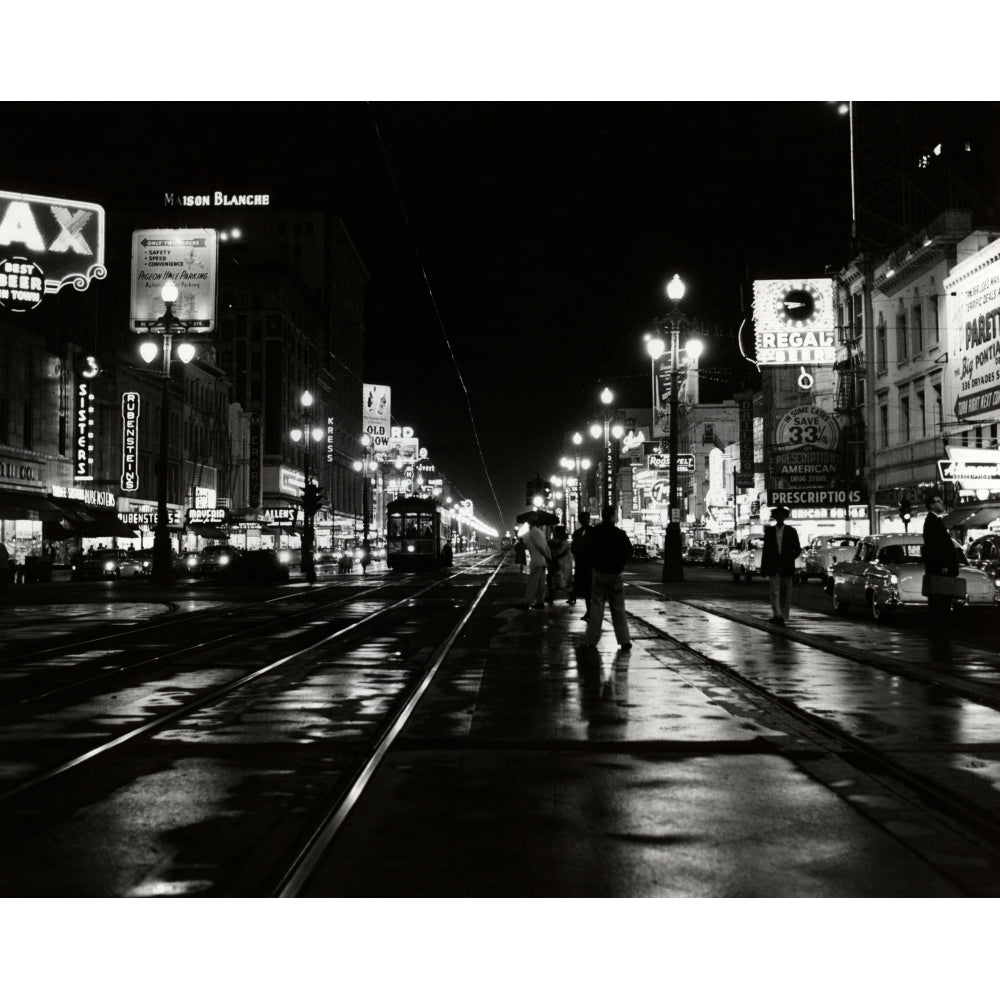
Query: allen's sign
x=46, y=244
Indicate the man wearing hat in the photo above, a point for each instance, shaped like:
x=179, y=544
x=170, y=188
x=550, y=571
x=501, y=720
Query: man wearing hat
x=777, y=563
x=940, y=559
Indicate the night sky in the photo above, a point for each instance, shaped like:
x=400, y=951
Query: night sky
x=521, y=249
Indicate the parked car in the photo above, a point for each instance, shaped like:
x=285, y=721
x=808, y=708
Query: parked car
x=887, y=572
x=984, y=554
x=694, y=555
x=108, y=564
x=211, y=559
x=822, y=553
x=744, y=559
x=718, y=554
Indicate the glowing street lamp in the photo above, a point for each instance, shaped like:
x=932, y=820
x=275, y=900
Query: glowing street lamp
x=673, y=568
x=610, y=432
x=311, y=494
x=162, y=571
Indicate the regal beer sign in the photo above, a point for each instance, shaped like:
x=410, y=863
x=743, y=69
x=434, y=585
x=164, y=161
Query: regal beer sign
x=46, y=244
x=794, y=322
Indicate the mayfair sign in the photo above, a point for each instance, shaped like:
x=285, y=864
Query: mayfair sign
x=46, y=244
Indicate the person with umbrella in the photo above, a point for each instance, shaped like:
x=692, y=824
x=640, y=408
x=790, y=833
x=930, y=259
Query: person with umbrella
x=537, y=547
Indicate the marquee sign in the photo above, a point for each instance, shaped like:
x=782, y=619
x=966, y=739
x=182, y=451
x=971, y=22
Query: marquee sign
x=833, y=497
x=794, y=322
x=971, y=468
x=187, y=257
x=207, y=515
x=130, y=442
x=46, y=244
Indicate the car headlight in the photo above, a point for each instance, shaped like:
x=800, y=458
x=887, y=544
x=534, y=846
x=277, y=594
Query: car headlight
x=358, y=553
x=223, y=560
x=411, y=548
x=109, y=567
x=192, y=561
x=284, y=556
x=893, y=580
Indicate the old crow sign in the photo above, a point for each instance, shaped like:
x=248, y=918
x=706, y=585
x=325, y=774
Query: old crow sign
x=46, y=244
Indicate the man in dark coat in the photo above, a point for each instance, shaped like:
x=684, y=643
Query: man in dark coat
x=777, y=563
x=940, y=559
x=581, y=566
x=607, y=549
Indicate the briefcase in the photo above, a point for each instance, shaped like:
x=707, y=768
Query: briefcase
x=943, y=586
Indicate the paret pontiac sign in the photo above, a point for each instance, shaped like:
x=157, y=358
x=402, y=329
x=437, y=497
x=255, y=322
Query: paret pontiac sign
x=46, y=244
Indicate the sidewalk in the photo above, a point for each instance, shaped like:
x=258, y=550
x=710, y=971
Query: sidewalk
x=532, y=768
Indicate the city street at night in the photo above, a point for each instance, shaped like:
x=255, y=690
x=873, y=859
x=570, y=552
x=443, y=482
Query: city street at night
x=517, y=489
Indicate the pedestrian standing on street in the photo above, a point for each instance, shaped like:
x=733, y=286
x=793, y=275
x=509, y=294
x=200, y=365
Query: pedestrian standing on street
x=521, y=556
x=559, y=566
x=538, y=556
x=940, y=559
x=608, y=549
x=4, y=572
x=581, y=568
x=777, y=563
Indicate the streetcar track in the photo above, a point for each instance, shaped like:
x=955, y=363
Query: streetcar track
x=214, y=695
x=298, y=872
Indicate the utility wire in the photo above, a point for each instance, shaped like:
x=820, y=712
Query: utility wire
x=437, y=313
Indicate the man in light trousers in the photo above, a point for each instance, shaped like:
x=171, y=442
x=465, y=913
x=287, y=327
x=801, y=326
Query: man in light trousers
x=608, y=549
x=538, y=557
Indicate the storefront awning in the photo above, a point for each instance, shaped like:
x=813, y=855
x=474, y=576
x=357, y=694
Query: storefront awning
x=80, y=521
x=208, y=531
x=975, y=515
x=17, y=505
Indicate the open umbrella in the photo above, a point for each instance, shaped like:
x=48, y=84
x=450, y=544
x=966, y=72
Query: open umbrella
x=539, y=517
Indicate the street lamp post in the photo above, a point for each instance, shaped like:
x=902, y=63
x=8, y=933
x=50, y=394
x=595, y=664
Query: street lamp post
x=367, y=465
x=610, y=431
x=673, y=568
x=311, y=492
x=162, y=571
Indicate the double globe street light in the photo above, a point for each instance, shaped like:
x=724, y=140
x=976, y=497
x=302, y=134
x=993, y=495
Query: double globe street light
x=611, y=431
x=368, y=466
x=674, y=321
x=162, y=571
x=311, y=494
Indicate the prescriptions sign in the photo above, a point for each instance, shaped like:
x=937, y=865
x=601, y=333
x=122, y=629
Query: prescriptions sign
x=794, y=322
x=974, y=334
x=187, y=257
x=46, y=244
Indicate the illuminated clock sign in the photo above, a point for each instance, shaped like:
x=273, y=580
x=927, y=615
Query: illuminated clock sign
x=46, y=244
x=794, y=322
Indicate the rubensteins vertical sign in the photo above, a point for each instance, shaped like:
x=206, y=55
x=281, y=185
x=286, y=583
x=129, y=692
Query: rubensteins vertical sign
x=974, y=335
x=130, y=442
x=46, y=244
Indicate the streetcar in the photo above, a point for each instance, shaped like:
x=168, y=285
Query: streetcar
x=419, y=535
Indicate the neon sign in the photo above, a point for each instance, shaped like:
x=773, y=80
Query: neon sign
x=83, y=453
x=130, y=442
x=55, y=242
